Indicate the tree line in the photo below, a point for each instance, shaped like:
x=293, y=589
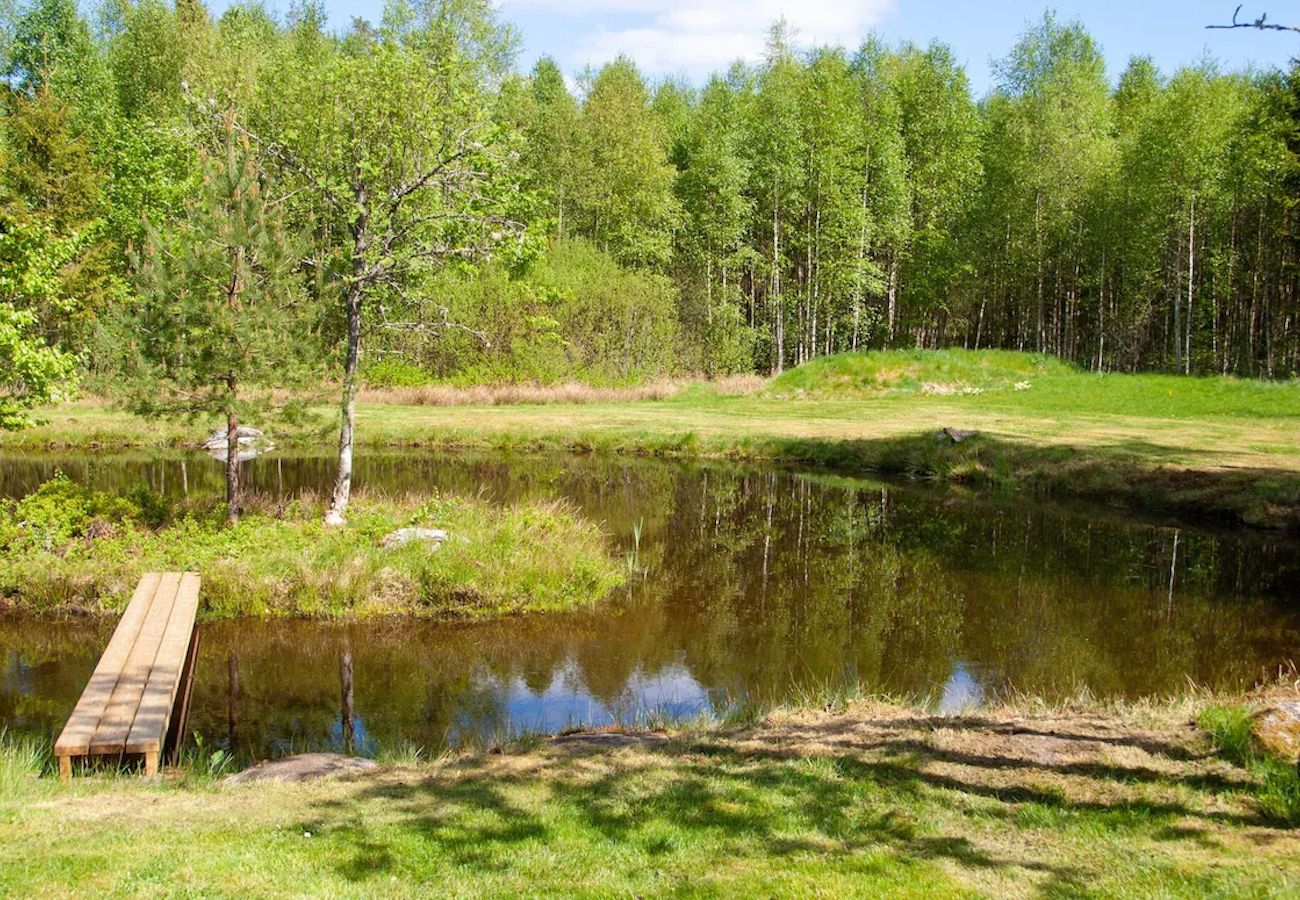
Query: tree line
x=196, y=211
x=832, y=201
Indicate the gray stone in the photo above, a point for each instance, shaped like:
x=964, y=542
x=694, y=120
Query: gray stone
x=304, y=767
x=403, y=536
x=252, y=444
x=955, y=435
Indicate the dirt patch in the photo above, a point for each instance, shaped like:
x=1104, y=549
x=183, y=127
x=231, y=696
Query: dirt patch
x=586, y=742
x=304, y=767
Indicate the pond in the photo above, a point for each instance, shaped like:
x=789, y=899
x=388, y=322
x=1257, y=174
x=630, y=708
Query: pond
x=745, y=585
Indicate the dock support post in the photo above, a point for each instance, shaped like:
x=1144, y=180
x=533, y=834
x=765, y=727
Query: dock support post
x=65, y=768
x=151, y=763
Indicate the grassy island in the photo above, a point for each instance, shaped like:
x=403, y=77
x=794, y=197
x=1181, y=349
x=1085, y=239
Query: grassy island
x=64, y=547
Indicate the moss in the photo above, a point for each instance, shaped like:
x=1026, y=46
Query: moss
x=66, y=547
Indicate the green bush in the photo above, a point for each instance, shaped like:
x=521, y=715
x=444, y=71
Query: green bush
x=392, y=371
x=576, y=315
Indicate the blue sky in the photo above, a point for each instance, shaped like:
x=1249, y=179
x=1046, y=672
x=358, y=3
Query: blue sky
x=692, y=39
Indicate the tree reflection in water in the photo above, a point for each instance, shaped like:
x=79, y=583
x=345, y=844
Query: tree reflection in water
x=748, y=584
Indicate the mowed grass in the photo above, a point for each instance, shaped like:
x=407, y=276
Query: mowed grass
x=867, y=801
x=1222, y=448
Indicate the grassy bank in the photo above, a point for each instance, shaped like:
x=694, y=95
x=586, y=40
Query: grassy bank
x=1217, y=448
x=67, y=548
x=867, y=800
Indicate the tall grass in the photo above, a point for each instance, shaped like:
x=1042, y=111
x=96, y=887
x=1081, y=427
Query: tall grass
x=1032, y=383
x=67, y=547
x=22, y=760
x=1277, y=782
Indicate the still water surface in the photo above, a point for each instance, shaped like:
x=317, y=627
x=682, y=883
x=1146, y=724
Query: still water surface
x=745, y=584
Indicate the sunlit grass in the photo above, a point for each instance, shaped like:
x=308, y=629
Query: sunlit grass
x=1278, y=781
x=69, y=548
x=869, y=800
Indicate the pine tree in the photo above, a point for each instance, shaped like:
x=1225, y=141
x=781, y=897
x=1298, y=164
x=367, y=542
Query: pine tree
x=223, y=322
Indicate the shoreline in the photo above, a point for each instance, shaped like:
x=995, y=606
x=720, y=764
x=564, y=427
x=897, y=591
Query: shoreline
x=1229, y=482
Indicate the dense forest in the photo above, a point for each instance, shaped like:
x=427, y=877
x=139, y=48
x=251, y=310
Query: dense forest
x=403, y=182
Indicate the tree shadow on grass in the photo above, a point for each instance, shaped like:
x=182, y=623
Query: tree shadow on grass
x=735, y=807
x=838, y=792
x=744, y=802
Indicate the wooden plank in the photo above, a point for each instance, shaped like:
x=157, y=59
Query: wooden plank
x=175, y=740
x=76, y=735
x=155, y=708
x=115, y=725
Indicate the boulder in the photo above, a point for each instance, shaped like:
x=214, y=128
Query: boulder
x=955, y=435
x=304, y=767
x=1278, y=729
x=431, y=537
x=252, y=444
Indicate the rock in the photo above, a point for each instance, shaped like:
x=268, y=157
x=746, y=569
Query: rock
x=956, y=435
x=1278, y=729
x=304, y=767
x=403, y=536
x=252, y=444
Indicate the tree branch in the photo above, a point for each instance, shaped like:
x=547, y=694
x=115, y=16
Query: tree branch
x=1261, y=23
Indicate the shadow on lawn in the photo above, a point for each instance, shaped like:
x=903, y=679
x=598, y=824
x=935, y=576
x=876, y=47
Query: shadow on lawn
x=730, y=802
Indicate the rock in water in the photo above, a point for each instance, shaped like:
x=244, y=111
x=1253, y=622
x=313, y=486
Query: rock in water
x=304, y=767
x=252, y=444
x=403, y=536
x=1278, y=729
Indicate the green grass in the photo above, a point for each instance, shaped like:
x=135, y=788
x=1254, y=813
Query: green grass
x=1216, y=448
x=875, y=800
x=946, y=372
x=1032, y=384
x=65, y=547
x=1278, y=781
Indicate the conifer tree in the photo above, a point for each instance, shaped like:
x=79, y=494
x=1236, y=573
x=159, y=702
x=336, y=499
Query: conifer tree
x=223, y=322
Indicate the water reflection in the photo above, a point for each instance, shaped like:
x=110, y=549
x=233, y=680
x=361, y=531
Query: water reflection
x=750, y=584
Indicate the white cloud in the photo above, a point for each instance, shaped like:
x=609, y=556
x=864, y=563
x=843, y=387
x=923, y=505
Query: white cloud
x=670, y=36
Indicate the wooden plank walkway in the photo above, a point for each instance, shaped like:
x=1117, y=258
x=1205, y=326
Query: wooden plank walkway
x=127, y=705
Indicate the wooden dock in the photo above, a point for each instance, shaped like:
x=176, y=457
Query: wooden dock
x=127, y=706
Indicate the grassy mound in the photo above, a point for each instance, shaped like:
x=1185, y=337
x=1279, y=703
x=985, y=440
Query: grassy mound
x=64, y=547
x=942, y=372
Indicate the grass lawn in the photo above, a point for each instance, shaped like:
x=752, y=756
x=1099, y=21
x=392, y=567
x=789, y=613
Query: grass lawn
x=1220, y=448
x=869, y=800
